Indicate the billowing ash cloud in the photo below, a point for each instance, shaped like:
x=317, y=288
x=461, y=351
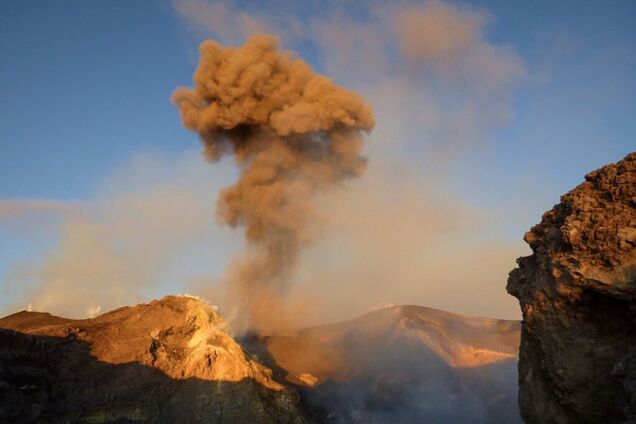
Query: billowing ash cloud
x=293, y=134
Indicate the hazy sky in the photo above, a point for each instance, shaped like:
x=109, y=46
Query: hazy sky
x=508, y=107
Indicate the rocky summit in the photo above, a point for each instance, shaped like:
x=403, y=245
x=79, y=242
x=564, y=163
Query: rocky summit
x=169, y=361
x=577, y=362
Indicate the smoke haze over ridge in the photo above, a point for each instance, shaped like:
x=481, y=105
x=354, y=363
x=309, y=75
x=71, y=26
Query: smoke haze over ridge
x=397, y=234
x=408, y=94
x=293, y=134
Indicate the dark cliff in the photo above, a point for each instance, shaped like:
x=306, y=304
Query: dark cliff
x=577, y=291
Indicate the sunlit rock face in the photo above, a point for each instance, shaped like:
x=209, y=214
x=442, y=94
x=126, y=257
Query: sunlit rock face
x=406, y=364
x=167, y=361
x=578, y=296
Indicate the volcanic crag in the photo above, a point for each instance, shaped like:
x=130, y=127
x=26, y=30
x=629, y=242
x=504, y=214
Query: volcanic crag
x=577, y=362
x=168, y=361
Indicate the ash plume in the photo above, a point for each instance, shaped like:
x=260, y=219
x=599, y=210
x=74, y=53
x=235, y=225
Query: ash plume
x=293, y=134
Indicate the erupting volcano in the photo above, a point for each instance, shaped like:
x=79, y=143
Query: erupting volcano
x=341, y=189
x=293, y=133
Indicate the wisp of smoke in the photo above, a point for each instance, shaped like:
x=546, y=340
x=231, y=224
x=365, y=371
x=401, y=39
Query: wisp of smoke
x=293, y=134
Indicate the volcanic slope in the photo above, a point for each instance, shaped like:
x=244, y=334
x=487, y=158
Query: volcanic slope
x=172, y=361
x=167, y=361
x=403, y=364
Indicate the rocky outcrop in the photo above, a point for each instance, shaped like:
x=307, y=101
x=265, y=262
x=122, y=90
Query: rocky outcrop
x=167, y=361
x=577, y=292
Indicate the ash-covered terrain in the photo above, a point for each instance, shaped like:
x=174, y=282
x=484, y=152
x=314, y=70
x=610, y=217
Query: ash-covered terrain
x=404, y=364
x=172, y=361
x=169, y=361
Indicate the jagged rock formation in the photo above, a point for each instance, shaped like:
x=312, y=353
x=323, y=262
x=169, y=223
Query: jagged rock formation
x=406, y=364
x=167, y=361
x=578, y=296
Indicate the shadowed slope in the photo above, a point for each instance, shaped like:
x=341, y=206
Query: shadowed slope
x=167, y=361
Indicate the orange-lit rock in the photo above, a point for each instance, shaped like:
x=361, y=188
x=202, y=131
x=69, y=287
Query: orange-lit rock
x=578, y=297
x=166, y=361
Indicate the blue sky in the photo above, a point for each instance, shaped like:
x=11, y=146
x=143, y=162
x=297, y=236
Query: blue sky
x=86, y=84
x=86, y=88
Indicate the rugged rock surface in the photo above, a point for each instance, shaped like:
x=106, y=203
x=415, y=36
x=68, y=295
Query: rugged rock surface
x=167, y=361
x=406, y=364
x=578, y=296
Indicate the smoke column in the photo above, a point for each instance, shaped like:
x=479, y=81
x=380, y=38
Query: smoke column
x=293, y=134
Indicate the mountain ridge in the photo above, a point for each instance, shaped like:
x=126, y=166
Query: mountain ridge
x=180, y=344
x=166, y=361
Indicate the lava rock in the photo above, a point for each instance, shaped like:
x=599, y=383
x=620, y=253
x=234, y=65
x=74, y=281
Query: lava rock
x=577, y=292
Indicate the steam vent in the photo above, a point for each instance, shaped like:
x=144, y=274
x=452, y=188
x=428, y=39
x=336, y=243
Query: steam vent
x=577, y=291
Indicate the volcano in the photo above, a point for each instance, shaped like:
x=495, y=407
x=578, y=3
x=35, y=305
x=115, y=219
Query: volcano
x=172, y=360
x=404, y=364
